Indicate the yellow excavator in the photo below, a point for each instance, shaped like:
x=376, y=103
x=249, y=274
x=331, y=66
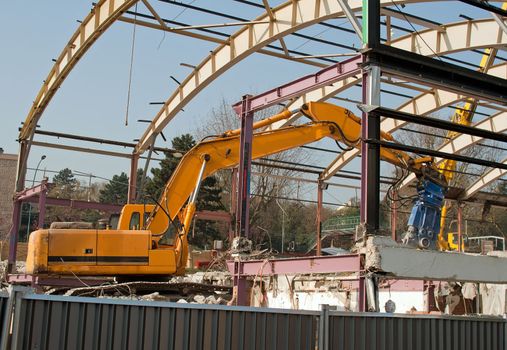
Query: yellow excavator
x=152, y=239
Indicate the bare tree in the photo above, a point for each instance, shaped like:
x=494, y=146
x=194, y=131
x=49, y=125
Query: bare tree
x=265, y=189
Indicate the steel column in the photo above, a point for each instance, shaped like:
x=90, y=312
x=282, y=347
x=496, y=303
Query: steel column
x=243, y=197
x=460, y=222
x=320, y=188
x=370, y=129
x=371, y=23
x=42, y=203
x=132, y=194
x=394, y=213
x=240, y=284
x=234, y=202
x=245, y=163
x=362, y=294
x=370, y=160
x=13, y=236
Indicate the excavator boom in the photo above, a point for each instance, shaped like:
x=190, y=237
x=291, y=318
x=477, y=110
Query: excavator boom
x=138, y=249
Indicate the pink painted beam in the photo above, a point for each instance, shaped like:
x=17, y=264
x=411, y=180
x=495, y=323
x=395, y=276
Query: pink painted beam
x=320, y=264
x=78, y=204
x=31, y=192
x=326, y=76
x=213, y=215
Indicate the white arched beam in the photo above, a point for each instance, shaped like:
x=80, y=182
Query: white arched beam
x=423, y=104
x=453, y=38
x=484, y=181
x=496, y=123
x=103, y=14
x=481, y=33
x=290, y=17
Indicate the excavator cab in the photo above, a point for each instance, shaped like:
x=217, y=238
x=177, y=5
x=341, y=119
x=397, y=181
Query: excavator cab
x=135, y=216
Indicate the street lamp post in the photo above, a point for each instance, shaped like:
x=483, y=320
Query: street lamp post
x=283, y=222
x=33, y=185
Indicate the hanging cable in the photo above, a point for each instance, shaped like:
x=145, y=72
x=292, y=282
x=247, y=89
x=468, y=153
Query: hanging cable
x=131, y=67
x=416, y=31
x=173, y=19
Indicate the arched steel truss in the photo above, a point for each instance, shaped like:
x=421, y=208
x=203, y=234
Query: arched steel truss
x=252, y=37
x=484, y=181
x=273, y=25
x=496, y=123
x=423, y=104
x=91, y=28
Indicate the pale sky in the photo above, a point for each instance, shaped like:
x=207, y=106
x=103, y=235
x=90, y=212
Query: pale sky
x=92, y=100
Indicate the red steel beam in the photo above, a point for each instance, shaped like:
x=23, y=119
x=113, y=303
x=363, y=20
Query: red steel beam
x=320, y=264
x=77, y=204
x=326, y=76
x=213, y=215
x=32, y=192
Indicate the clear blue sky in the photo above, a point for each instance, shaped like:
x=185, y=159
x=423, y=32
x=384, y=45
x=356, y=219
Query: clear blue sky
x=92, y=100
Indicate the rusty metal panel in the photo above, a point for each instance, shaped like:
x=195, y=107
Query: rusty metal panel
x=361, y=331
x=54, y=322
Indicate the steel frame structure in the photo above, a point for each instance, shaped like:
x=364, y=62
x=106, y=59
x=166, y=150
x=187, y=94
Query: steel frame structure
x=376, y=60
x=105, y=12
x=402, y=59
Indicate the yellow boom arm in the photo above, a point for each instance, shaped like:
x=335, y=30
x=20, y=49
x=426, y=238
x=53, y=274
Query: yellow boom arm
x=327, y=120
x=130, y=250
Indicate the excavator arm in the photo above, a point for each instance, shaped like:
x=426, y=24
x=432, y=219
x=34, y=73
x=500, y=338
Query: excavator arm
x=326, y=120
x=136, y=247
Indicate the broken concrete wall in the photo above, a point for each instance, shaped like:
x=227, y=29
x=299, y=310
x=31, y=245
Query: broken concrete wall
x=311, y=291
x=407, y=295
x=385, y=256
x=305, y=292
x=494, y=296
x=405, y=301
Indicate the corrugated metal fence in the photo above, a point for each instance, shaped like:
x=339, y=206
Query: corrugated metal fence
x=377, y=331
x=54, y=322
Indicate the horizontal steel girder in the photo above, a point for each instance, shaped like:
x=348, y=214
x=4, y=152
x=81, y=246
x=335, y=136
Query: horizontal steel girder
x=340, y=71
x=321, y=264
x=496, y=123
x=423, y=104
x=427, y=71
